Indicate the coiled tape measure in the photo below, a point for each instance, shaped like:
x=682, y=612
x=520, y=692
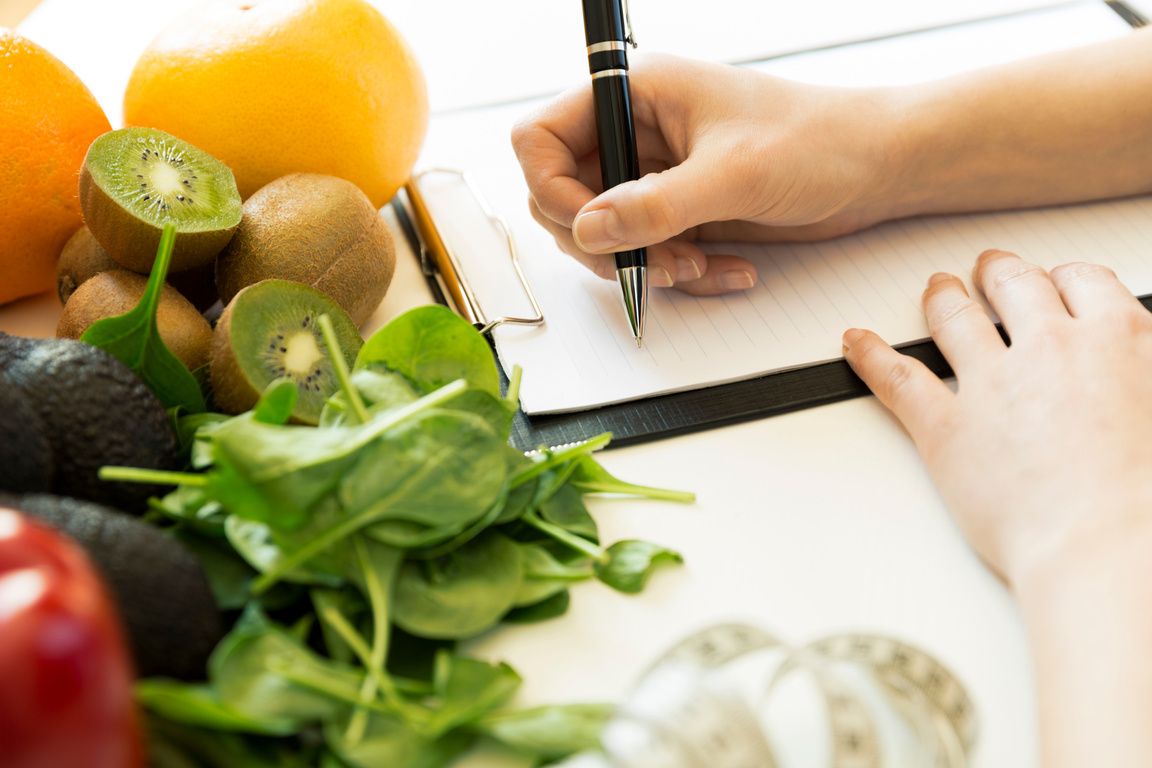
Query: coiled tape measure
x=685, y=714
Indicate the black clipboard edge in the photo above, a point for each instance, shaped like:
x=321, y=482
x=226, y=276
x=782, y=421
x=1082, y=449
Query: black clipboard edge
x=657, y=418
x=1134, y=19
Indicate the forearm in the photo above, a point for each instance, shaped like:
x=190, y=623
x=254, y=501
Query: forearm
x=1089, y=618
x=1068, y=126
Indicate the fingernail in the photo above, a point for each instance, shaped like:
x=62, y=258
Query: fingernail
x=736, y=280
x=658, y=277
x=851, y=336
x=597, y=230
x=686, y=269
x=939, y=277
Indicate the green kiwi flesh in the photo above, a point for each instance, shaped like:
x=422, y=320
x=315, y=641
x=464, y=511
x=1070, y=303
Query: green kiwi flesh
x=136, y=180
x=269, y=331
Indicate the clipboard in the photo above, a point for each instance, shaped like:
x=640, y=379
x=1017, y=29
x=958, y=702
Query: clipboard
x=662, y=416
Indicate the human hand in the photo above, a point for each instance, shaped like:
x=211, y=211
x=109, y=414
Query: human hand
x=1044, y=453
x=727, y=153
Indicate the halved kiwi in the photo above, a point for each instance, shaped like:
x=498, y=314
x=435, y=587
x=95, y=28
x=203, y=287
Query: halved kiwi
x=136, y=180
x=269, y=331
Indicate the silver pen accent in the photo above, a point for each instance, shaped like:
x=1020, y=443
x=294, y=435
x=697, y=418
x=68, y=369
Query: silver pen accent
x=634, y=291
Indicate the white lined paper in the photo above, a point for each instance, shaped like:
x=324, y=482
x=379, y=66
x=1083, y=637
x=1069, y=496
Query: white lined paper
x=808, y=293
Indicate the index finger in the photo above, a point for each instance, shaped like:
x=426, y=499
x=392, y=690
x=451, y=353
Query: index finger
x=549, y=144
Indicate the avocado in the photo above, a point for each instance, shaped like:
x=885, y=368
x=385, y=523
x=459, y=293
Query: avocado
x=164, y=598
x=26, y=462
x=95, y=412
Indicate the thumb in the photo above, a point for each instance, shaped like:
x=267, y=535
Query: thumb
x=651, y=210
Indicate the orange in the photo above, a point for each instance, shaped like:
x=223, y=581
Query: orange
x=273, y=87
x=47, y=120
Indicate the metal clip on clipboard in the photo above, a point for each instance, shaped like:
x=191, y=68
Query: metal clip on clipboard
x=438, y=258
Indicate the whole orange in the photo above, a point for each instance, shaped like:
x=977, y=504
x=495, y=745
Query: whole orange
x=47, y=120
x=272, y=87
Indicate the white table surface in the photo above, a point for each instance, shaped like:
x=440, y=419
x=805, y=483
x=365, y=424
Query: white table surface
x=812, y=523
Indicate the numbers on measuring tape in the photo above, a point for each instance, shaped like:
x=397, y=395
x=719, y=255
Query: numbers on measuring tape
x=680, y=716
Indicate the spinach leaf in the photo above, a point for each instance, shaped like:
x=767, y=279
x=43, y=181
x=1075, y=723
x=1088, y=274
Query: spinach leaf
x=590, y=477
x=260, y=671
x=176, y=745
x=432, y=346
x=566, y=509
x=276, y=402
x=631, y=563
x=199, y=705
x=388, y=741
x=254, y=542
x=550, y=733
x=228, y=574
x=548, y=608
x=276, y=473
x=408, y=535
x=440, y=468
x=544, y=575
x=335, y=607
x=467, y=689
x=380, y=389
x=460, y=594
x=134, y=339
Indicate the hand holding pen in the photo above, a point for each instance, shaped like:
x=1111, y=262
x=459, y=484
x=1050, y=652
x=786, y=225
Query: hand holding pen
x=724, y=153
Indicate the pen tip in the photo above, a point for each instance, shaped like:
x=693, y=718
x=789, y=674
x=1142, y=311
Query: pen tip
x=637, y=342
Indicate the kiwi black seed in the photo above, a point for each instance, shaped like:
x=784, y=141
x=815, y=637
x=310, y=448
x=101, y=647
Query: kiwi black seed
x=270, y=330
x=136, y=180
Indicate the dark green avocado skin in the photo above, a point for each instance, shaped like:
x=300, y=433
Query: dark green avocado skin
x=160, y=588
x=26, y=461
x=94, y=412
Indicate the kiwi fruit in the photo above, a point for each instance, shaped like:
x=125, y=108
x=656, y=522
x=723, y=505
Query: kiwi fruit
x=183, y=330
x=313, y=229
x=271, y=330
x=83, y=259
x=136, y=180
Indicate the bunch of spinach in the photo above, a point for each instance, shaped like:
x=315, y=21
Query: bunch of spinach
x=401, y=525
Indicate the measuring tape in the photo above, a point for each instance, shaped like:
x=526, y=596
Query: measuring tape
x=686, y=713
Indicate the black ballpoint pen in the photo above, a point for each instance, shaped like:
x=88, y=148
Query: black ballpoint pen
x=604, y=29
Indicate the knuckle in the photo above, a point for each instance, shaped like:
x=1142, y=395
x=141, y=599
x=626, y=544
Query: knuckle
x=897, y=379
x=942, y=315
x=1079, y=272
x=1129, y=320
x=1012, y=271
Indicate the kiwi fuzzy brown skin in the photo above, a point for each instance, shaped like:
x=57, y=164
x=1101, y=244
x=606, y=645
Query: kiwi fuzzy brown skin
x=313, y=229
x=230, y=388
x=184, y=331
x=132, y=240
x=83, y=258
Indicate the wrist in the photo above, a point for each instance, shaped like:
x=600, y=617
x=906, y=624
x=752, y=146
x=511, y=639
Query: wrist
x=897, y=149
x=1078, y=562
x=1086, y=614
